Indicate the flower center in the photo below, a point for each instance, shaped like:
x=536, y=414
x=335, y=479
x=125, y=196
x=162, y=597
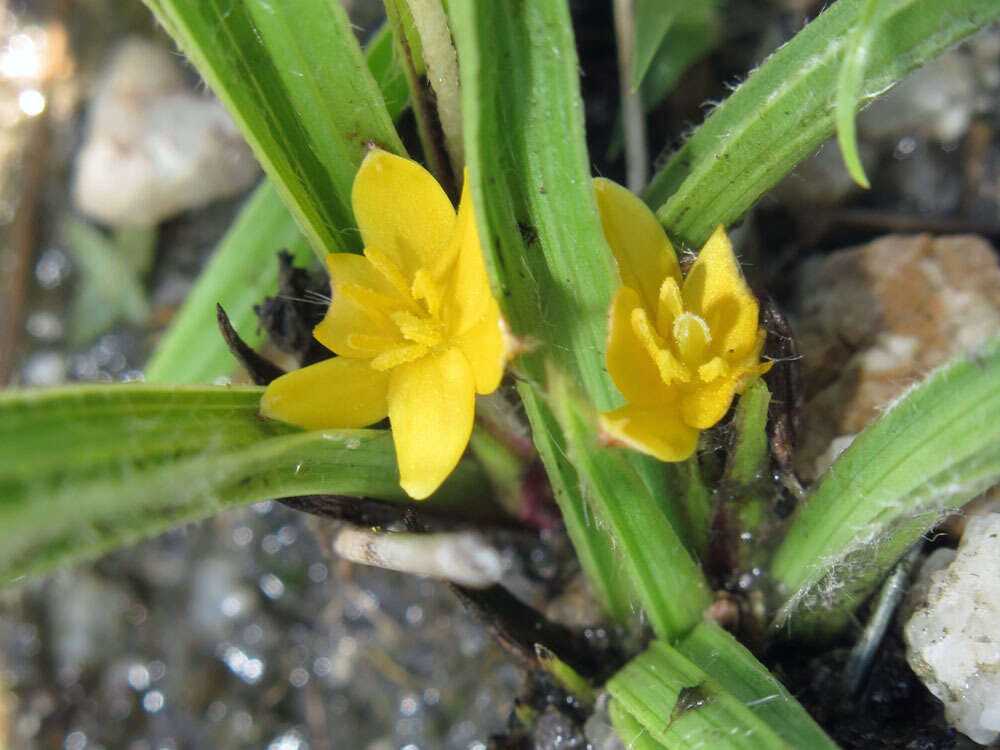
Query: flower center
x=691, y=338
x=417, y=318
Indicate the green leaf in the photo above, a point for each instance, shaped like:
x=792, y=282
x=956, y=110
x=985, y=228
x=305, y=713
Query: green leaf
x=749, y=457
x=786, y=108
x=747, y=488
x=244, y=268
x=241, y=272
x=595, y=550
x=669, y=36
x=934, y=449
x=671, y=587
x=728, y=662
x=531, y=184
x=632, y=733
x=85, y=469
x=849, y=87
x=652, y=20
x=710, y=691
x=109, y=288
x=545, y=251
x=691, y=36
x=292, y=76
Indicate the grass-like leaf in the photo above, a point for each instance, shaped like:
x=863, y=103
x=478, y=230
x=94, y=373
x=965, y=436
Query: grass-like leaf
x=668, y=582
x=849, y=86
x=935, y=448
x=709, y=691
x=546, y=254
x=293, y=77
x=243, y=268
x=85, y=469
x=652, y=20
x=786, y=108
x=749, y=456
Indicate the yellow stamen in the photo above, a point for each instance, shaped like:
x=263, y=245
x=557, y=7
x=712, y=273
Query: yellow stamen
x=424, y=289
x=390, y=270
x=692, y=336
x=670, y=367
x=399, y=355
x=420, y=330
x=713, y=369
x=370, y=301
x=669, y=306
x=373, y=344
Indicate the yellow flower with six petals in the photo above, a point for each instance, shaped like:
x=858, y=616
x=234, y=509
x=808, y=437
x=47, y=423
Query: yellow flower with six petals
x=678, y=348
x=414, y=322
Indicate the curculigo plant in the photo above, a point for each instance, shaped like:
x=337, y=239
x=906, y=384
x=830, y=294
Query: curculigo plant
x=622, y=362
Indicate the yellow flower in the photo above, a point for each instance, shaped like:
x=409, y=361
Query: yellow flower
x=415, y=325
x=678, y=349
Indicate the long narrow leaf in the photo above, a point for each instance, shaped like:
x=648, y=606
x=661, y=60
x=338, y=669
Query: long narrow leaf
x=243, y=269
x=785, y=109
x=682, y=705
x=848, y=88
x=293, y=77
x=545, y=251
x=668, y=582
x=84, y=469
x=936, y=448
x=729, y=663
x=538, y=218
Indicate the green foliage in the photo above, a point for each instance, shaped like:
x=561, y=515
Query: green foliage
x=786, y=108
x=669, y=36
x=293, y=78
x=750, y=454
x=708, y=690
x=849, y=87
x=86, y=469
x=111, y=271
x=625, y=507
x=934, y=449
x=549, y=265
x=244, y=267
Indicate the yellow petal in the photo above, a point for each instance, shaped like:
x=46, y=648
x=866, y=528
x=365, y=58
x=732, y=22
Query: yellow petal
x=485, y=347
x=469, y=298
x=644, y=254
x=629, y=363
x=431, y=404
x=702, y=407
x=658, y=431
x=714, y=290
x=402, y=211
x=362, y=300
x=335, y=393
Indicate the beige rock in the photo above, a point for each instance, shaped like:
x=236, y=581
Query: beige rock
x=874, y=319
x=153, y=148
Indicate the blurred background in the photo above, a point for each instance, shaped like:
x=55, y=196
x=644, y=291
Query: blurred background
x=119, y=173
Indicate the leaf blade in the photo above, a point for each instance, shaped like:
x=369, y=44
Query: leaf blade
x=275, y=70
x=782, y=112
x=935, y=448
x=84, y=469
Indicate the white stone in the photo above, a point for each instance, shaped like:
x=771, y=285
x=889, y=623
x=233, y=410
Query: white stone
x=953, y=637
x=153, y=148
